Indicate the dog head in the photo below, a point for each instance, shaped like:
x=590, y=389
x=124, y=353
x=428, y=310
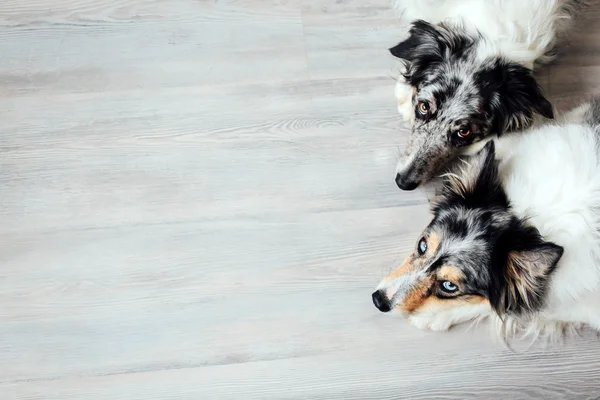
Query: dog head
x=475, y=251
x=463, y=92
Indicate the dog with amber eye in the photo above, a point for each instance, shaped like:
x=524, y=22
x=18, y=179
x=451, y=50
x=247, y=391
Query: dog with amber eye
x=515, y=240
x=466, y=74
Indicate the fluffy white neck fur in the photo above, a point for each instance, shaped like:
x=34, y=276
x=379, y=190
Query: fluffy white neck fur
x=523, y=31
x=552, y=176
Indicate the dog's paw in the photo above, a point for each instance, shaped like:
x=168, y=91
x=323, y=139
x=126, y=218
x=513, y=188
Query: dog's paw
x=403, y=93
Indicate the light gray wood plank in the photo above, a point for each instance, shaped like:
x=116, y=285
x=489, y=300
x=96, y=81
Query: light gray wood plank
x=356, y=48
x=189, y=164
x=479, y=374
x=119, y=45
x=198, y=198
x=111, y=300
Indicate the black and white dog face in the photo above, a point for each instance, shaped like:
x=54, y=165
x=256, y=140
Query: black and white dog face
x=475, y=254
x=462, y=92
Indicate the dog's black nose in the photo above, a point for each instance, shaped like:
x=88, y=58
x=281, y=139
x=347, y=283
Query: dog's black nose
x=406, y=184
x=380, y=301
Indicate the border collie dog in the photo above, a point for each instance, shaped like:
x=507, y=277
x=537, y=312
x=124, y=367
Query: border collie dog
x=466, y=73
x=515, y=240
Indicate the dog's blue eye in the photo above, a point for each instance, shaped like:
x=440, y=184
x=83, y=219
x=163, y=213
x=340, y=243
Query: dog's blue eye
x=422, y=246
x=449, y=287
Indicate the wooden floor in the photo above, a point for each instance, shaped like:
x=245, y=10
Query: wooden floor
x=197, y=199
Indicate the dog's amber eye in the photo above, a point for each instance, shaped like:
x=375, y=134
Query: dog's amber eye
x=422, y=246
x=464, y=131
x=424, y=107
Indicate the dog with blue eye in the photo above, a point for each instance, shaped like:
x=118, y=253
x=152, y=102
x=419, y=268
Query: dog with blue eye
x=466, y=74
x=515, y=236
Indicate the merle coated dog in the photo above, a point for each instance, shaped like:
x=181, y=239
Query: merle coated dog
x=466, y=75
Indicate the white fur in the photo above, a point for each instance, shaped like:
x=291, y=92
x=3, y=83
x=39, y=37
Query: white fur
x=443, y=320
x=403, y=93
x=521, y=31
x=552, y=177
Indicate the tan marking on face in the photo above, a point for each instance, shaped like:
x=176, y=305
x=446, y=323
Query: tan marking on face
x=450, y=273
x=412, y=262
x=433, y=304
x=433, y=242
x=407, y=266
x=417, y=295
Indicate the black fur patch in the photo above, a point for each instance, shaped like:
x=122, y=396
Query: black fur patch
x=429, y=45
x=487, y=191
x=420, y=33
x=447, y=88
x=521, y=288
x=511, y=95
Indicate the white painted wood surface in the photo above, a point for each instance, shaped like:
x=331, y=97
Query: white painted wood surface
x=197, y=200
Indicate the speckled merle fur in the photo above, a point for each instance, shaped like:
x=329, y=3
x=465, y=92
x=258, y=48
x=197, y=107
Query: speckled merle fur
x=488, y=94
x=479, y=230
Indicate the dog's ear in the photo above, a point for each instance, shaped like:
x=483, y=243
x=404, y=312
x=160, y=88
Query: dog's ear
x=425, y=47
x=519, y=97
x=475, y=182
x=428, y=45
x=422, y=39
x=526, y=274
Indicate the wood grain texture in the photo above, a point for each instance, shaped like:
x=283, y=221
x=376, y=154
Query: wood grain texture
x=198, y=199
